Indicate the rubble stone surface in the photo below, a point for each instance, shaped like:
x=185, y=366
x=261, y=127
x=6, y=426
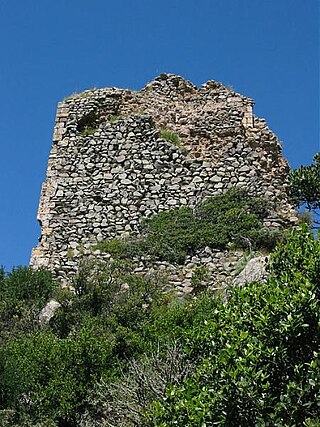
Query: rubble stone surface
x=109, y=166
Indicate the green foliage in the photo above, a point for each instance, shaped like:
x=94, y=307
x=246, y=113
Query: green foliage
x=48, y=373
x=110, y=292
x=120, y=248
x=235, y=198
x=254, y=358
x=146, y=380
x=88, y=124
x=304, y=185
x=177, y=319
x=171, y=234
x=171, y=137
x=2, y=274
x=42, y=375
x=259, y=353
x=8, y=418
x=25, y=284
x=234, y=217
x=23, y=293
x=199, y=275
x=300, y=255
x=312, y=423
x=113, y=118
x=88, y=130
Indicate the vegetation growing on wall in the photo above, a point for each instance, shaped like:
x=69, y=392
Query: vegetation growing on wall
x=113, y=118
x=170, y=136
x=232, y=218
x=88, y=124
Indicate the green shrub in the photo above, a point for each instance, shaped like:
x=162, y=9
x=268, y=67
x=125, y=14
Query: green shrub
x=88, y=124
x=88, y=130
x=123, y=403
x=23, y=293
x=98, y=328
x=298, y=256
x=2, y=274
x=171, y=234
x=213, y=208
x=171, y=137
x=44, y=376
x=199, y=276
x=113, y=118
x=109, y=291
x=255, y=357
x=120, y=248
x=26, y=284
x=304, y=186
x=234, y=217
x=258, y=354
x=115, y=247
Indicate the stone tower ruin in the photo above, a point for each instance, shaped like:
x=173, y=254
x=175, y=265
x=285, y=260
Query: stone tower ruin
x=110, y=164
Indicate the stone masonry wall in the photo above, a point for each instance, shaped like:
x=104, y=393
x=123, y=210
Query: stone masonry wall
x=109, y=166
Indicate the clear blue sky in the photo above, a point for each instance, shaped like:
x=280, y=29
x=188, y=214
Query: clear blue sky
x=265, y=49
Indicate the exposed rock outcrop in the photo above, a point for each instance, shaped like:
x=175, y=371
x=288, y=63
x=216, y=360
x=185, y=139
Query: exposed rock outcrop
x=254, y=271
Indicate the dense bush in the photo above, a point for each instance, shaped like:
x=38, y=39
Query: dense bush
x=259, y=353
x=234, y=217
x=43, y=376
x=47, y=374
x=110, y=292
x=23, y=292
x=118, y=352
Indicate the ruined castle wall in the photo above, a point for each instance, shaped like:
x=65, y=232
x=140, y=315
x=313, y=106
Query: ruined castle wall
x=109, y=167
